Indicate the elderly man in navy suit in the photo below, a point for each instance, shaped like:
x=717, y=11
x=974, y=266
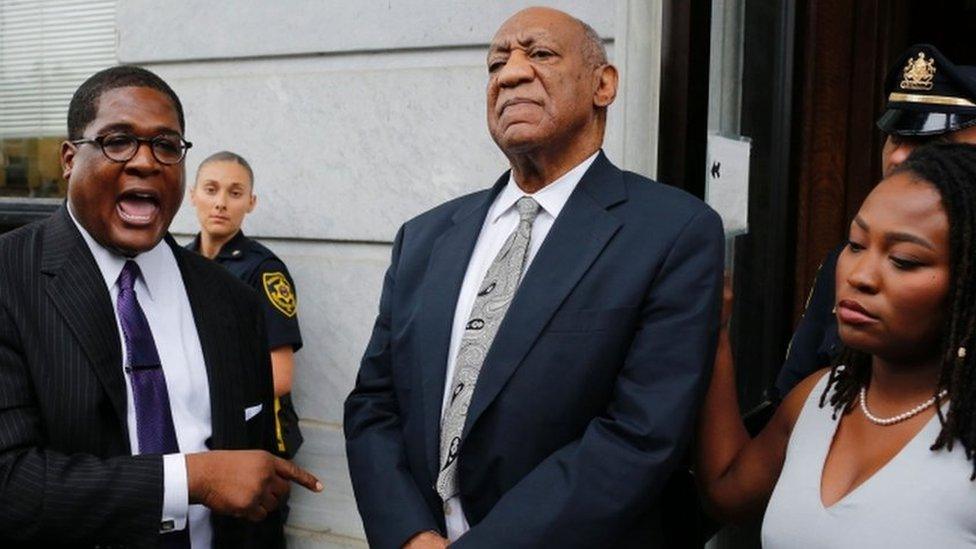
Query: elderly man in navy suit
x=542, y=345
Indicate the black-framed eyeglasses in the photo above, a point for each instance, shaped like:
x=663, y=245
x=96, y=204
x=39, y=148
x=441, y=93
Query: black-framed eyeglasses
x=121, y=147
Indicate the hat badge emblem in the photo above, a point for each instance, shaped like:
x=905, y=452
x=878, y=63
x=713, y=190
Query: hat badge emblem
x=918, y=73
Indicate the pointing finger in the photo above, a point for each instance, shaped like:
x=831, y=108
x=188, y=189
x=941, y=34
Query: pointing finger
x=290, y=471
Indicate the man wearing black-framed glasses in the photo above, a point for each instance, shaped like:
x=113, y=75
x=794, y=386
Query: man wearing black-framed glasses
x=126, y=361
x=167, y=149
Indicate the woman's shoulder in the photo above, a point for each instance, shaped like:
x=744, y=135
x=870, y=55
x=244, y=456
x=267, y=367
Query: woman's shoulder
x=792, y=405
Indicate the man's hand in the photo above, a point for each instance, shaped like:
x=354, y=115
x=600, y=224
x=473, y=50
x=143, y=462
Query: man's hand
x=243, y=483
x=427, y=540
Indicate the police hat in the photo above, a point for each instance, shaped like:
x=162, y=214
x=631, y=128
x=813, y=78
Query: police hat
x=928, y=94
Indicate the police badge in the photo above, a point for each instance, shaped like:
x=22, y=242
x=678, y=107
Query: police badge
x=279, y=292
x=919, y=73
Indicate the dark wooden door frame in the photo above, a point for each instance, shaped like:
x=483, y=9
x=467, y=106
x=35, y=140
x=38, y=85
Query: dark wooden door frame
x=683, y=113
x=845, y=50
x=764, y=257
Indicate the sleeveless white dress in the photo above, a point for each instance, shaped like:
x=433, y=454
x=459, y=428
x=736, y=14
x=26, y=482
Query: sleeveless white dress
x=919, y=499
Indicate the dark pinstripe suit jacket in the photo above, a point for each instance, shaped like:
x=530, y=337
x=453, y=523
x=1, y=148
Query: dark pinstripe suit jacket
x=67, y=476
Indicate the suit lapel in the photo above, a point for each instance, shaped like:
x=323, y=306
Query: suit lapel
x=442, y=283
x=77, y=290
x=579, y=234
x=211, y=308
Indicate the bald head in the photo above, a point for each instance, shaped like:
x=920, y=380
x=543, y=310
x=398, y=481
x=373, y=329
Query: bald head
x=591, y=45
x=549, y=85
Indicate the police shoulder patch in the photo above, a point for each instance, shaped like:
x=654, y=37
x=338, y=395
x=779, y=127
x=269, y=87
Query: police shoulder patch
x=280, y=293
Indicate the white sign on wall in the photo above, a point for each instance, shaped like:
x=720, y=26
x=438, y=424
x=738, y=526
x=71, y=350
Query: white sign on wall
x=727, y=176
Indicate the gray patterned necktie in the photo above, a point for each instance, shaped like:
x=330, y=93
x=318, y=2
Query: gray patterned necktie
x=491, y=303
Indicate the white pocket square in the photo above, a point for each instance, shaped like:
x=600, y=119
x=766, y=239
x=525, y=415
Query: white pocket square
x=252, y=411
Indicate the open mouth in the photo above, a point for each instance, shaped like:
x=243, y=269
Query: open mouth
x=138, y=208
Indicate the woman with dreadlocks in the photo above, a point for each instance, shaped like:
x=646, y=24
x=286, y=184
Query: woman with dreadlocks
x=877, y=450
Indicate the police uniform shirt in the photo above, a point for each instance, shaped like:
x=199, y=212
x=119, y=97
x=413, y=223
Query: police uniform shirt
x=260, y=268
x=815, y=342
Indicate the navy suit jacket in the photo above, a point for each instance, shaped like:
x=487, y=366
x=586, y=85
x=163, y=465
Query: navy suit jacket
x=586, y=400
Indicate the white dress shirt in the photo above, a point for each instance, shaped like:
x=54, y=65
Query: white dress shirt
x=162, y=297
x=501, y=221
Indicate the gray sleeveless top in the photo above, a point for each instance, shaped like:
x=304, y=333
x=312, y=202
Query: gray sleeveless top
x=920, y=498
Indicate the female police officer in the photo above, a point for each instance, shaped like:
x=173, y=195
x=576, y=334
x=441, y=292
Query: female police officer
x=223, y=193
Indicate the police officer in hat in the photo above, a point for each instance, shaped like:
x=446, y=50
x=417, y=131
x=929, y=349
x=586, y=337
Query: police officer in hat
x=222, y=194
x=930, y=99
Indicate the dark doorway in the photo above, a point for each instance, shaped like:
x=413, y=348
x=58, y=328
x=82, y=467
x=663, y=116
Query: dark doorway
x=812, y=89
x=949, y=25
x=845, y=50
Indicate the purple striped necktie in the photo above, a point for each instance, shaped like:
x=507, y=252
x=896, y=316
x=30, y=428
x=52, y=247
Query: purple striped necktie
x=154, y=420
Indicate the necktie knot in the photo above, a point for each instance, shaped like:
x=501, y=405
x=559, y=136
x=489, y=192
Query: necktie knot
x=528, y=209
x=127, y=278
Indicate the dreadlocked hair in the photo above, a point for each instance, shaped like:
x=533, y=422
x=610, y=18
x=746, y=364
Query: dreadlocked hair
x=951, y=169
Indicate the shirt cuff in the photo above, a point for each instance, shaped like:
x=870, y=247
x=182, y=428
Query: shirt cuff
x=176, y=497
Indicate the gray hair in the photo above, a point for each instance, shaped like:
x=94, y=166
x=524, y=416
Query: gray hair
x=594, y=51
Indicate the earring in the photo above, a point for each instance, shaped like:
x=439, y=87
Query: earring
x=961, y=353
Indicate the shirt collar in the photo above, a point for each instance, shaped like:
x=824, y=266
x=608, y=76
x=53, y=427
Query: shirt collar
x=233, y=248
x=151, y=263
x=551, y=198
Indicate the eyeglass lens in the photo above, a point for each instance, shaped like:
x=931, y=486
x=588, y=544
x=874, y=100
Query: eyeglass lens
x=122, y=147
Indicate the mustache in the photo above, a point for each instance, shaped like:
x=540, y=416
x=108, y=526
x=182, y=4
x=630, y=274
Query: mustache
x=515, y=101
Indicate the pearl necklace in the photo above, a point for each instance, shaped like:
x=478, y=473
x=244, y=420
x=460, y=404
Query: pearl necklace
x=900, y=417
